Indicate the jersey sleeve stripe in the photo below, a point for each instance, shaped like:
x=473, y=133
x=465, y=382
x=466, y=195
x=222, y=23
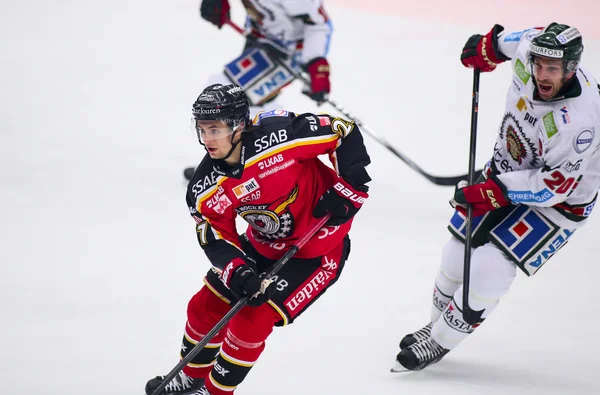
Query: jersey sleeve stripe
x=291, y=144
x=271, y=151
x=316, y=140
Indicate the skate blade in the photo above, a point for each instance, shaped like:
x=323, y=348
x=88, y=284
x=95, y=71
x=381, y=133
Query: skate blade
x=398, y=368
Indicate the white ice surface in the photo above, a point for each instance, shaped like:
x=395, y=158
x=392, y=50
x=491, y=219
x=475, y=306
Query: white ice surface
x=98, y=255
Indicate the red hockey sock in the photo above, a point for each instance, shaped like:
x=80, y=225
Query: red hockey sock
x=244, y=342
x=205, y=309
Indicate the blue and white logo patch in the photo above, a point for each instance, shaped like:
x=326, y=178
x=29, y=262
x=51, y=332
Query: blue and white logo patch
x=529, y=196
x=273, y=113
x=533, y=33
x=547, y=251
x=588, y=209
x=458, y=224
x=522, y=231
x=515, y=36
x=248, y=68
x=583, y=141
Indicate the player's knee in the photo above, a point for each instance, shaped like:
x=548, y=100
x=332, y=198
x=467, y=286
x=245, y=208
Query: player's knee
x=452, y=265
x=491, y=272
x=254, y=324
x=205, y=309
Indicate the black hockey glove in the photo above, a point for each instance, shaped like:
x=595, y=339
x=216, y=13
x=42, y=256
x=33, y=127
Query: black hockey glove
x=215, y=11
x=242, y=280
x=341, y=200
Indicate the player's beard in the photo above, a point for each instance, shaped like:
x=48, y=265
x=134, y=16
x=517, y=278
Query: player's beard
x=547, y=89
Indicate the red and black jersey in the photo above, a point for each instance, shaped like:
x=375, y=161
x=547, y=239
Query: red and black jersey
x=276, y=186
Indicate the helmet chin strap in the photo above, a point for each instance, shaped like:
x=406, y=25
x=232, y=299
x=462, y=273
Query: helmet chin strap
x=233, y=147
x=221, y=161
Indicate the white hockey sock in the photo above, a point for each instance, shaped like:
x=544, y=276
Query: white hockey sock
x=451, y=329
x=449, y=277
x=439, y=301
x=491, y=276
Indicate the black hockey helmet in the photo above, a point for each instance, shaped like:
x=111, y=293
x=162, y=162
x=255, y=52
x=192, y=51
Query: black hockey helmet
x=226, y=103
x=559, y=41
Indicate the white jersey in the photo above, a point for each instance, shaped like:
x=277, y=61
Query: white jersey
x=547, y=153
x=289, y=22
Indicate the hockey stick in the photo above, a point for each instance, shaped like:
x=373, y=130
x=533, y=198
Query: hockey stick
x=471, y=316
x=437, y=180
x=238, y=306
x=444, y=181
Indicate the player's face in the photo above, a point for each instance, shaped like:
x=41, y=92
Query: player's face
x=216, y=137
x=549, y=76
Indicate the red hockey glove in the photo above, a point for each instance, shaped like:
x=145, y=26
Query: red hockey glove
x=484, y=197
x=242, y=280
x=215, y=11
x=318, y=69
x=341, y=200
x=481, y=52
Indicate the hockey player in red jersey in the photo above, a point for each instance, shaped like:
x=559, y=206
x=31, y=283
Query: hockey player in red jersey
x=297, y=33
x=268, y=173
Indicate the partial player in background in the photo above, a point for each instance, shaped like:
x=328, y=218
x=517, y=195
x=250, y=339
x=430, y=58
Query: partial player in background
x=268, y=173
x=296, y=32
x=539, y=187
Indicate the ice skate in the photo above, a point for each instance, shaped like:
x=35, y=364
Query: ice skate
x=418, y=356
x=420, y=335
x=182, y=384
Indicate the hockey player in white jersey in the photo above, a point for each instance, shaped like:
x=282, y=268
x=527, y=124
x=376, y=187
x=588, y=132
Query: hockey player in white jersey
x=297, y=32
x=539, y=187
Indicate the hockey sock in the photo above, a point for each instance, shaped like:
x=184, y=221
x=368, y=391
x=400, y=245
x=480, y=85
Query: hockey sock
x=244, y=342
x=205, y=309
x=234, y=362
x=203, y=362
x=440, y=300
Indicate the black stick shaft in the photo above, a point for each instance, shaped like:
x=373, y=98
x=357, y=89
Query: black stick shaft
x=438, y=180
x=469, y=315
x=237, y=307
